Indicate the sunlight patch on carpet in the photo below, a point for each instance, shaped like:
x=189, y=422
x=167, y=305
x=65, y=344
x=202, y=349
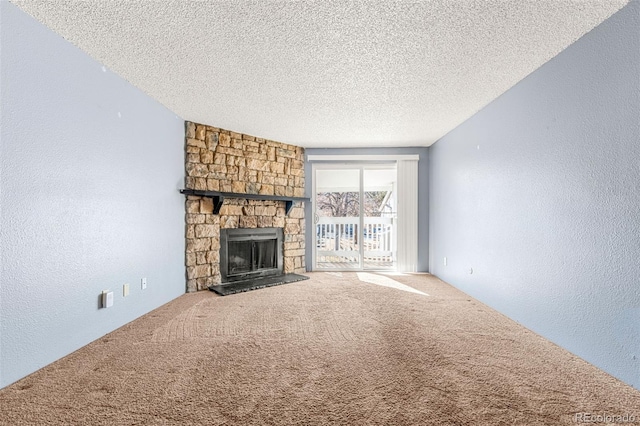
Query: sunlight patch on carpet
x=386, y=282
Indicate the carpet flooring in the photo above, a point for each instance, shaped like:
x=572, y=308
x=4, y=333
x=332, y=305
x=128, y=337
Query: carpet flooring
x=340, y=348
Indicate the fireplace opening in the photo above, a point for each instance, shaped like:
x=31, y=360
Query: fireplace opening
x=250, y=253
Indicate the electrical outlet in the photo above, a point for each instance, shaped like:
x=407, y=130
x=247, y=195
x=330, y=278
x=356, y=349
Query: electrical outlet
x=143, y=283
x=125, y=290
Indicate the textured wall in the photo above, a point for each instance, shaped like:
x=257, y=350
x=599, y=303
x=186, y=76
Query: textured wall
x=423, y=196
x=91, y=169
x=539, y=194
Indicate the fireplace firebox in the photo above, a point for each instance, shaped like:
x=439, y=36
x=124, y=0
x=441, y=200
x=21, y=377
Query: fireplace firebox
x=248, y=253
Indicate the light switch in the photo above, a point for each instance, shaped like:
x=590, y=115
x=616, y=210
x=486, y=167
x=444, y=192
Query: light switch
x=107, y=299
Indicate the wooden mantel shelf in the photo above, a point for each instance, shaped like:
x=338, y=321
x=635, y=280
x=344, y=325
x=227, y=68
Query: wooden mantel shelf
x=218, y=198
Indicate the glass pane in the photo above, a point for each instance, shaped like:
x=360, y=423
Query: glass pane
x=379, y=239
x=337, y=202
x=265, y=252
x=239, y=257
x=338, y=193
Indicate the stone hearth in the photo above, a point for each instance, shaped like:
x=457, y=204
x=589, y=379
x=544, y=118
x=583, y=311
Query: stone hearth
x=221, y=160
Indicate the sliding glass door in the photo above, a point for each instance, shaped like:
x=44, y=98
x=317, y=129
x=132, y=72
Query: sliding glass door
x=354, y=216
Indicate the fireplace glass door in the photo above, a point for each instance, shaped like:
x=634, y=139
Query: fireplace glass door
x=249, y=253
x=251, y=256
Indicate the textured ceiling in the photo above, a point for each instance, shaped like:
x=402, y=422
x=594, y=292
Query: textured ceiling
x=324, y=73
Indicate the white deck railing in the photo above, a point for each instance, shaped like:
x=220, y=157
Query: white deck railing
x=337, y=239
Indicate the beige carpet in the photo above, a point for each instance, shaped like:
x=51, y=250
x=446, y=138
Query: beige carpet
x=331, y=350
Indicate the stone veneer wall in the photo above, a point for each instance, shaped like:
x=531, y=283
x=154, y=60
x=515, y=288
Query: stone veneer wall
x=220, y=160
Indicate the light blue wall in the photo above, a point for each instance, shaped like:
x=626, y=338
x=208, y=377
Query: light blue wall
x=423, y=196
x=90, y=170
x=539, y=193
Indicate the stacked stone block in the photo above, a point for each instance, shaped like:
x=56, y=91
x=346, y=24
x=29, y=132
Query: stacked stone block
x=220, y=160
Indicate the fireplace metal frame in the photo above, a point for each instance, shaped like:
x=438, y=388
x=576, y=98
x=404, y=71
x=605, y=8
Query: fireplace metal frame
x=250, y=234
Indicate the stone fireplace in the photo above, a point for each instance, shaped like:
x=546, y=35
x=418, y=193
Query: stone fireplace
x=225, y=161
